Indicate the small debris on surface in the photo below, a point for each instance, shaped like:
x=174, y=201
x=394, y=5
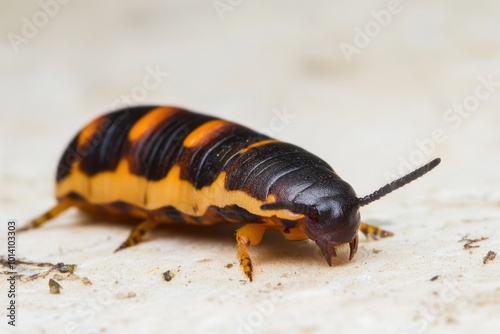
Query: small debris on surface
x=229, y=265
x=489, y=257
x=86, y=281
x=153, y=270
x=126, y=296
x=55, y=288
x=43, y=268
x=167, y=275
x=66, y=268
x=58, y=277
x=204, y=260
x=67, y=277
x=434, y=278
x=469, y=243
x=376, y=251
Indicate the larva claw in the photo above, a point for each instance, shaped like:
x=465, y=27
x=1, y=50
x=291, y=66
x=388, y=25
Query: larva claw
x=353, y=246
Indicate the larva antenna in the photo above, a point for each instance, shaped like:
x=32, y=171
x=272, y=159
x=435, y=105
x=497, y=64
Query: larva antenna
x=396, y=184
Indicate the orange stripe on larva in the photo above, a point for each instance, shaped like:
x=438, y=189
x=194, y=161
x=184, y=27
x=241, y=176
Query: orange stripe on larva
x=260, y=143
x=204, y=132
x=150, y=121
x=120, y=185
x=89, y=131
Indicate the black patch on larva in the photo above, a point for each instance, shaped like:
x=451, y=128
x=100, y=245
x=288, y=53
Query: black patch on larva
x=74, y=195
x=122, y=206
x=169, y=212
x=258, y=169
x=202, y=165
x=69, y=155
x=288, y=186
x=154, y=154
x=236, y=212
x=107, y=152
x=288, y=224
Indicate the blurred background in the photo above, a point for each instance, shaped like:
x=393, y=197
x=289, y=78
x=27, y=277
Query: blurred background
x=374, y=88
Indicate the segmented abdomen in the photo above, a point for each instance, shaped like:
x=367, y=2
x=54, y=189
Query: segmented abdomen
x=174, y=163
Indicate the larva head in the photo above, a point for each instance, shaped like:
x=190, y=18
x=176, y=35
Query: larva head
x=331, y=221
x=334, y=220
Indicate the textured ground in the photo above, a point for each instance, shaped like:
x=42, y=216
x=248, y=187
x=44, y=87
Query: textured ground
x=403, y=91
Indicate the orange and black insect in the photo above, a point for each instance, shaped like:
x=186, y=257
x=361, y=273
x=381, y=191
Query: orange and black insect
x=169, y=165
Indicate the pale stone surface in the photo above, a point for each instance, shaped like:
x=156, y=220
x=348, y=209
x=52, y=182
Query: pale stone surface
x=364, y=117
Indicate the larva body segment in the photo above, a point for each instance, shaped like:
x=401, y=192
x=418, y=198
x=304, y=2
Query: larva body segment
x=186, y=167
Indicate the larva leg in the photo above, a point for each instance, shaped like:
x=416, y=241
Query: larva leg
x=138, y=232
x=248, y=235
x=55, y=211
x=374, y=231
